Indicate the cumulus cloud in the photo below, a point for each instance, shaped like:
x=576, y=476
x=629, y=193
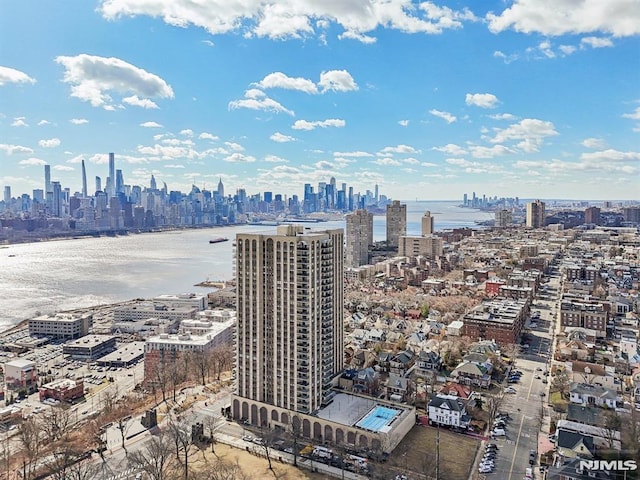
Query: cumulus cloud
x=482, y=100
x=596, y=42
x=503, y=116
x=44, y=122
x=208, y=136
x=151, y=125
x=281, y=138
x=488, y=152
x=94, y=79
x=236, y=147
x=187, y=132
x=295, y=18
x=403, y=123
x=620, y=18
x=446, y=116
x=398, y=149
x=11, y=75
x=63, y=168
x=174, y=165
x=358, y=154
x=387, y=161
x=239, y=158
x=275, y=159
x=594, y=143
x=633, y=116
x=357, y=36
x=280, y=80
x=139, y=102
x=255, y=99
x=529, y=133
x=306, y=125
x=50, y=143
x=611, y=155
x=32, y=162
x=451, y=149
x=11, y=149
x=19, y=122
x=337, y=80
x=78, y=121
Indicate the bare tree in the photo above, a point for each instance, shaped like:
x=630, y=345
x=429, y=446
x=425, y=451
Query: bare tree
x=213, y=424
x=83, y=470
x=123, y=424
x=222, y=357
x=155, y=458
x=201, y=363
x=223, y=470
x=494, y=403
x=62, y=459
x=611, y=427
x=179, y=431
x=56, y=422
x=30, y=439
x=561, y=383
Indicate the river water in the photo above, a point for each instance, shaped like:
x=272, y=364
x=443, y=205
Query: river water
x=45, y=277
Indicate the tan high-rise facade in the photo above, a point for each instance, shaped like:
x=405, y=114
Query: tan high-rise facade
x=396, y=222
x=359, y=238
x=535, y=214
x=427, y=224
x=289, y=339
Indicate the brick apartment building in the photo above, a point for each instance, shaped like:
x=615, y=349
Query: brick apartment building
x=499, y=320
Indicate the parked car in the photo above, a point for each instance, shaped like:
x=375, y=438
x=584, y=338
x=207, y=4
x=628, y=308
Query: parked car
x=498, y=432
x=485, y=469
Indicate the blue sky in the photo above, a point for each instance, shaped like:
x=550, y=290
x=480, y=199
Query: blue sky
x=431, y=100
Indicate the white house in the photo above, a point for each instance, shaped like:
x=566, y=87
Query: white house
x=448, y=410
x=592, y=395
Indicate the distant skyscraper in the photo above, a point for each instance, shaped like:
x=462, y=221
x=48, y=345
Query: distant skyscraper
x=47, y=178
x=220, y=189
x=503, y=218
x=56, y=199
x=535, y=214
x=427, y=224
x=7, y=197
x=111, y=182
x=289, y=337
x=592, y=215
x=119, y=182
x=84, y=181
x=376, y=193
x=152, y=183
x=98, y=184
x=396, y=222
x=359, y=238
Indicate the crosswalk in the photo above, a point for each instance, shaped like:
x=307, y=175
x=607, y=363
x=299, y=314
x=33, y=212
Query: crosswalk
x=123, y=475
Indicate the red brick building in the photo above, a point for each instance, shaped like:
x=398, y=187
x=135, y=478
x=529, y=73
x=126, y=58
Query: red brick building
x=62, y=390
x=499, y=320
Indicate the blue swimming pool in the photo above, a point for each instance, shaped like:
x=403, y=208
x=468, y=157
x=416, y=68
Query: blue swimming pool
x=378, y=419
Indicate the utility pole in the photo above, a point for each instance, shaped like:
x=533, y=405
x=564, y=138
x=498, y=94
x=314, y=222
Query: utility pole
x=438, y=453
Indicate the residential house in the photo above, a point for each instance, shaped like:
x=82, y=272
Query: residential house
x=594, y=374
x=397, y=388
x=471, y=373
x=366, y=380
x=571, y=470
x=574, y=444
x=428, y=361
x=591, y=395
x=401, y=362
x=456, y=390
x=448, y=410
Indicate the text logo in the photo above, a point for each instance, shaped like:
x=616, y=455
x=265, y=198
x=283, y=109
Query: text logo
x=609, y=465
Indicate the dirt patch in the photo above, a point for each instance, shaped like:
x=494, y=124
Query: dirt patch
x=416, y=455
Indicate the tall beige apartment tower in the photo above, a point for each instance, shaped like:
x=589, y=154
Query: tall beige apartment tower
x=535, y=214
x=289, y=338
x=359, y=238
x=427, y=224
x=396, y=222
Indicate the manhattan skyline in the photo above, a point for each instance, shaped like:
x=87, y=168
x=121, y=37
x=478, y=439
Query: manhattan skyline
x=427, y=100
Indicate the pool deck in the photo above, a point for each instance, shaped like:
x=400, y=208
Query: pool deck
x=347, y=409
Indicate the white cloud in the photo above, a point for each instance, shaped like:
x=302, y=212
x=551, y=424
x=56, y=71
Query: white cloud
x=503, y=116
x=208, y=43
x=398, y=149
x=357, y=154
x=282, y=138
x=50, y=143
x=611, y=155
x=337, y=80
x=139, y=102
x=482, y=100
x=446, y=116
x=275, y=159
x=594, y=143
x=257, y=100
x=63, y=168
x=187, y=132
x=94, y=79
x=567, y=49
x=620, y=18
x=19, y=122
x=633, y=116
x=506, y=58
x=280, y=80
x=208, y=136
x=411, y=161
x=173, y=166
x=11, y=75
x=451, y=149
x=79, y=121
x=388, y=161
x=357, y=36
x=306, y=125
x=596, y=42
x=403, y=123
x=295, y=18
x=151, y=125
x=44, y=122
x=239, y=158
x=32, y=162
x=11, y=149
x=234, y=146
x=530, y=132
x=489, y=152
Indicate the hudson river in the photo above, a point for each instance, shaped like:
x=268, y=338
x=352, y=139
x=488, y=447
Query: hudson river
x=62, y=275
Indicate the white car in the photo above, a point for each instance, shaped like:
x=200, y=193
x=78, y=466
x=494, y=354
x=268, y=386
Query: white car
x=482, y=469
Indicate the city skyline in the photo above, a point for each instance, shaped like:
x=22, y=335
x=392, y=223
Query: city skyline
x=500, y=98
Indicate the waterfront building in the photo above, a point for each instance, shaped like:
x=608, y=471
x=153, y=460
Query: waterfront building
x=20, y=375
x=191, y=300
x=90, y=347
x=147, y=310
x=427, y=224
x=60, y=325
x=396, y=222
x=535, y=214
x=359, y=238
